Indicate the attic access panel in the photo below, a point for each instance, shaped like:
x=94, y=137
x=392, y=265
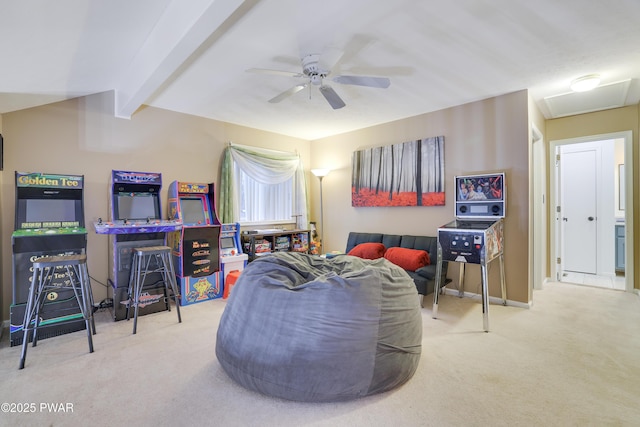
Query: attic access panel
x=603, y=97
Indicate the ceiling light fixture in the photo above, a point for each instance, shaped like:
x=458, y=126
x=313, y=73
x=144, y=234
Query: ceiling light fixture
x=585, y=83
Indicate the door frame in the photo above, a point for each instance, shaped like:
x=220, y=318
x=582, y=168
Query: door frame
x=627, y=137
x=538, y=239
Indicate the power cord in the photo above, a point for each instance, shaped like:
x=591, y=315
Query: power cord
x=93, y=279
x=104, y=304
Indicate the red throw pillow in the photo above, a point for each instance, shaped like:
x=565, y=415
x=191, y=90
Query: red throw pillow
x=368, y=250
x=409, y=259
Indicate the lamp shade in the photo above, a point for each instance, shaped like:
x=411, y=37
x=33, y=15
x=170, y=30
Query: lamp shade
x=320, y=172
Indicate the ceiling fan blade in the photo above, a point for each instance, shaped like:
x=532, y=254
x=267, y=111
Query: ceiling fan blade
x=329, y=58
x=332, y=97
x=288, y=93
x=379, y=82
x=275, y=72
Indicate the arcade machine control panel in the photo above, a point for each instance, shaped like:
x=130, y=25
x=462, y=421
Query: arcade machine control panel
x=137, y=226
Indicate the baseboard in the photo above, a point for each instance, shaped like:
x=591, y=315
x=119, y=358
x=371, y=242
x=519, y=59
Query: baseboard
x=492, y=300
x=545, y=281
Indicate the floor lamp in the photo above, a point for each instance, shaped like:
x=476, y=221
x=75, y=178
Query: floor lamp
x=321, y=173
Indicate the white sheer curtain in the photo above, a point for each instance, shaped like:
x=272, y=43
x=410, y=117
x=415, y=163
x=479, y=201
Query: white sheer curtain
x=260, y=202
x=267, y=167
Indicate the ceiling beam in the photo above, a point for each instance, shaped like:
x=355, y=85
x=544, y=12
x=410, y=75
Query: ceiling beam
x=183, y=28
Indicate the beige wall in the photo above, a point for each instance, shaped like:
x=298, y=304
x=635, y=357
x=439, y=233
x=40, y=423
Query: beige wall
x=485, y=136
x=82, y=136
x=604, y=122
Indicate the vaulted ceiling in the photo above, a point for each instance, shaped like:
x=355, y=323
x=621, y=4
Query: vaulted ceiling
x=193, y=56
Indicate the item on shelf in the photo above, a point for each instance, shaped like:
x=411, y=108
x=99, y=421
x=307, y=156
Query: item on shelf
x=263, y=246
x=301, y=242
x=259, y=242
x=282, y=243
x=315, y=247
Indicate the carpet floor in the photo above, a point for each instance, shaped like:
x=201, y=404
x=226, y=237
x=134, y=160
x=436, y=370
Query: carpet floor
x=572, y=359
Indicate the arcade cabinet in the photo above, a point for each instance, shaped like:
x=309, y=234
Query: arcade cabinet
x=49, y=221
x=231, y=256
x=135, y=222
x=476, y=235
x=195, y=247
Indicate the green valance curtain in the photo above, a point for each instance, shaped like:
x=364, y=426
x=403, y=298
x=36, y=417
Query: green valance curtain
x=267, y=167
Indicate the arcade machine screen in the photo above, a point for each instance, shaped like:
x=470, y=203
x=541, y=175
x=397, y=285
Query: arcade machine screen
x=480, y=196
x=485, y=187
x=41, y=207
x=136, y=206
x=192, y=210
x=227, y=243
x=50, y=210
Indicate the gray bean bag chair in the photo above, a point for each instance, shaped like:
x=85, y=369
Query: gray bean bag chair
x=304, y=328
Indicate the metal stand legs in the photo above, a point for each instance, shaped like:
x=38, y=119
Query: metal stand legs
x=485, y=287
x=146, y=260
x=76, y=277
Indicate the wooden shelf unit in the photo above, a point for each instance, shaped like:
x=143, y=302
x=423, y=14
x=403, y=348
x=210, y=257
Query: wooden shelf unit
x=280, y=240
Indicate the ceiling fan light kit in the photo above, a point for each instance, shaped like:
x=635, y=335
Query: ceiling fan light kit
x=585, y=83
x=315, y=75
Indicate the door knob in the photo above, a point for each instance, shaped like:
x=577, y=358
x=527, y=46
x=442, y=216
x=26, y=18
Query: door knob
x=591, y=218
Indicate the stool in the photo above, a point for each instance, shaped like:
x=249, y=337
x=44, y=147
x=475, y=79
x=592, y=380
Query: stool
x=141, y=266
x=44, y=271
x=229, y=281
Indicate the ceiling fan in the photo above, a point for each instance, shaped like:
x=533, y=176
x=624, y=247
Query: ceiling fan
x=313, y=73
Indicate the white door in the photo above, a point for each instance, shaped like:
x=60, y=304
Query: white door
x=578, y=211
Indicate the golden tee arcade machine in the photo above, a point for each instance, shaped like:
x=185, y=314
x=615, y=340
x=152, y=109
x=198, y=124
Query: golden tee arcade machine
x=49, y=221
x=195, y=248
x=135, y=222
x=476, y=235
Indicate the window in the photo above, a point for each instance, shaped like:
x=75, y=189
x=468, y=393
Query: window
x=265, y=203
x=259, y=185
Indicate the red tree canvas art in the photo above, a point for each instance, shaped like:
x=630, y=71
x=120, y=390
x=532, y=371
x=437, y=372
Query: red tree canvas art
x=405, y=174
